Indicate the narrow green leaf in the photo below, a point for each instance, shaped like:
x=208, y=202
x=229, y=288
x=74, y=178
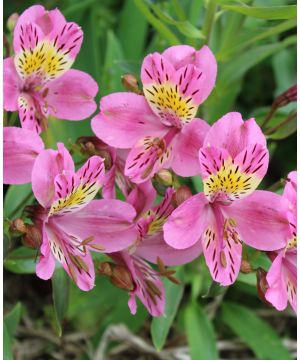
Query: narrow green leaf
x=156, y=23
x=256, y=333
x=21, y=261
x=7, y=350
x=185, y=27
x=214, y=290
x=60, y=295
x=200, y=333
x=12, y=319
x=269, y=13
x=198, y=184
x=160, y=326
x=132, y=38
x=16, y=197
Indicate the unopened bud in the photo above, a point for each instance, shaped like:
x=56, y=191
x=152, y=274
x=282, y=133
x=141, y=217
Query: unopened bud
x=18, y=226
x=12, y=21
x=246, y=267
x=122, y=278
x=261, y=284
x=165, y=177
x=105, y=268
x=33, y=237
x=130, y=83
x=183, y=193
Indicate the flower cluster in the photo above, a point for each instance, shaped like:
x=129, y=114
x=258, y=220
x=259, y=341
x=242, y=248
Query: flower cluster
x=141, y=138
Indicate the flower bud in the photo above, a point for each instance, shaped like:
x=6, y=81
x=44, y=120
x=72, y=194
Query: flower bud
x=246, y=267
x=122, y=278
x=105, y=268
x=18, y=226
x=130, y=83
x=164, y=177
x=183, y=193
x=261, y=285
x=33, y=237
x=12, y=21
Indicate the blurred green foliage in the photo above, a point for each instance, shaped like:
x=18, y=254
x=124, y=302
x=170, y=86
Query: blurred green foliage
x=255, y=45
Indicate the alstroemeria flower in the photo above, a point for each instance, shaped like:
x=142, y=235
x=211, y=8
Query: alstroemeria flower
x=20, y=149
x=72, y=223
x=147, y=285
x=282, y=275
x=37, y=80
x=160, y=127
x=233, y=161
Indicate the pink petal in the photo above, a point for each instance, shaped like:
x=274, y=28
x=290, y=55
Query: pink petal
x=261, y=220
x=147, y=157
x=142, y=273
x=290, y=276
x=222, y=250
x=66, y=251
x=233, y=134
x=124, y=119
x=276, y=293
x=109, y=222
x=71, y=96
x=20, y=149
x=11, y=85
x=46, y=264
x=156, y=69
x=290, y=189
x=30, y=116
x=142, y=197
x=186, y=147
x=153, y=246
x=74, y=191
x=180, y=55
x=48, y=164
x=186, y=224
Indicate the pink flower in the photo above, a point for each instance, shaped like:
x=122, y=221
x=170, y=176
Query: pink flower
x=160, y=127
x=147, y=285
x=233, y=161
x=20, y=149
x=282, y=275
x=37, y=80
x=72, y=223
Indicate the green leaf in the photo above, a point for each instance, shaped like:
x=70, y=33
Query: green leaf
x=256, y=333
x=214, y=290
x=160, y=326
x=156, y=23
x=7, y=350
x=185, y=27
x=200, y=333
x=132, y=38
x=21, y=261
x=60, y=295
x=198, y=184
x=16, y=197
x=269, y=13
x=12, y=319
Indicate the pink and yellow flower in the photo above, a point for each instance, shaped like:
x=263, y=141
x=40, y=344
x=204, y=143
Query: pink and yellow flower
x=161, y=127
x=37, y=79
x=233, y=161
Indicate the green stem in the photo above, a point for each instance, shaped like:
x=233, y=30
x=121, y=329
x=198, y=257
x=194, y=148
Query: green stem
x=209, y=19
x=291, y=117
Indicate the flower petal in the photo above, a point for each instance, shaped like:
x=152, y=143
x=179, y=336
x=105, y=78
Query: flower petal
x=147, y=157
x=186, y=224
x=11, y=85
x=75, y=191
x=109, y=222
x=233, y=134
x=261, y=220
x=71, y=97
x=124, y=119
x=48, y=164
x=186, y=147
x=31, y=117
x=180, y=55
x=20, y=149
x=46, y=264
x=142, y=197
